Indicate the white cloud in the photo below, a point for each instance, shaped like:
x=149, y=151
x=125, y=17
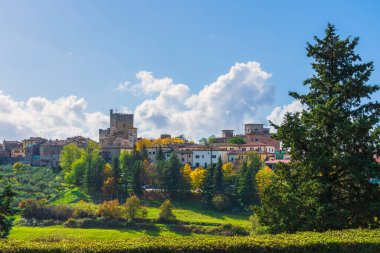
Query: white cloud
x=229, y=102
x=278, y=113
x=123, y=86
x=235, y=98
x=39, y=116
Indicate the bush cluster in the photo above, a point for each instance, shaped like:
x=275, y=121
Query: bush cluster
x=39, y=210
x=108, y=211
x=223, y=230
x=358, y=241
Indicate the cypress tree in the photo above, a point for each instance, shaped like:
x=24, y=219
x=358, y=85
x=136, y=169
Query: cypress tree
x=173, y=176
x=136, y=178
x=116, y=171
x=244, y=189
x=218, y=177
x=160, y=154
x=208, y=188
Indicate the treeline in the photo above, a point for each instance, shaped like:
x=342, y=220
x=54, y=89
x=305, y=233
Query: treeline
x=220, y=185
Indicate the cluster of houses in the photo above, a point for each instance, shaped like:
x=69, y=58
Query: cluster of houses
x=122, y=135
x=37, y=151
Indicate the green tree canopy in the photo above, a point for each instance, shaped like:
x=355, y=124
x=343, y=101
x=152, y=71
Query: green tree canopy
x=236, y=140
x=6, y=212
x=332, y=144
x=69, y=154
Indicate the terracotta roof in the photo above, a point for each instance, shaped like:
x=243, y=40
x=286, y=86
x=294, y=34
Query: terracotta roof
x=254, y=144
x=277, y=161
x=54, y=143
x=184, y=151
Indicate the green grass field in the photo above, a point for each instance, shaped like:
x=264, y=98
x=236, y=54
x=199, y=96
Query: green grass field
x=64, y=233
x=195, y=213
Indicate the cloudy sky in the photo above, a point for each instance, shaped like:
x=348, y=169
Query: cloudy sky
x=182, y=67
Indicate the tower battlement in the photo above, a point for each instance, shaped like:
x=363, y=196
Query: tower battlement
x=120, y=122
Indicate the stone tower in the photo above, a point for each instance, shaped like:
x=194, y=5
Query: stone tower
x=120, y=122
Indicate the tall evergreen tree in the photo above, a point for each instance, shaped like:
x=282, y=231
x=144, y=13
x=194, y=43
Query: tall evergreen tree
x=144, y=152
x=117, y=175
x=136, y=178
x=218, y=177
x=208, y=188
x=173, y=176
x=160, y=154
x=6, y=212
x=332, y=144
x=90, y=158
x=245, y=185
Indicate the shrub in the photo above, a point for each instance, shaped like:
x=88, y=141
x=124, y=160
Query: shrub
x=83, y=211
x=134, y=209
x=32, y=208
x=255, y=227
x=358, y=241
x=38, y=223
x=17, y=166
x=221, y=202
x=59, y=212
x=110, y=210
x=166, y=212
x=39, y=210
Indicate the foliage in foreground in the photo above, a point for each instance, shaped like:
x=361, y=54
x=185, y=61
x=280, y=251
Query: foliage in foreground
x=6, y=212
x=332, y=144
x=333, y=241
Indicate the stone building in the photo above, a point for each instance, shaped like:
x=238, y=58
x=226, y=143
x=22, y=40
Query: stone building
x=50, y=151
x=256, y=129
x=31, y=148
x=121, y=135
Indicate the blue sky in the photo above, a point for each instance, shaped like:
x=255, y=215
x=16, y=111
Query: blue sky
x=55, y=49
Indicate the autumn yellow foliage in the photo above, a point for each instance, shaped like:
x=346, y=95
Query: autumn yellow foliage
x=197, y=177
x=186, y=171
x=159, y=141
x=264, y=178
x=228, y=172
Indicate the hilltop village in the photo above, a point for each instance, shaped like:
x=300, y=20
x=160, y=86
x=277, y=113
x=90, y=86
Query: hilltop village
x=122, y=136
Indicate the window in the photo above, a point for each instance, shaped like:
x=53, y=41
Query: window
x=153, y=152
x=149, y=153
x=197, y=156
x=243, y=149
x=197, y=165
x=189, y=156
x=167, y=155
x=232, y=159
x=205, y=165
x=203, y=156
x=183, y=159
x=213, y=156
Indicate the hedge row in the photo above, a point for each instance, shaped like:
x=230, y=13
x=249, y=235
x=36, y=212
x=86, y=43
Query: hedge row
x=366, y=241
